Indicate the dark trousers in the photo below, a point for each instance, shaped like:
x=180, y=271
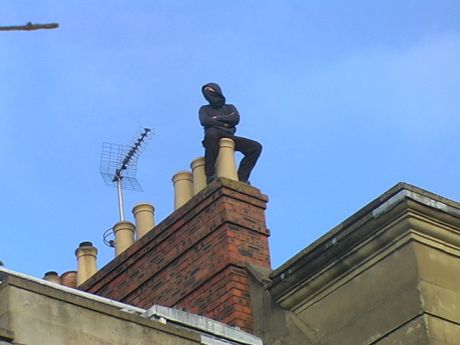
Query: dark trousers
x=251, y=150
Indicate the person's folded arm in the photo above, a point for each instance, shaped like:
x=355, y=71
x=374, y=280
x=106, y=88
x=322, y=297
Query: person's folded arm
x=207, y=121
x=231, y=119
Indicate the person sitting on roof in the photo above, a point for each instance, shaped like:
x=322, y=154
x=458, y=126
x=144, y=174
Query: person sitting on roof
x=219, y=120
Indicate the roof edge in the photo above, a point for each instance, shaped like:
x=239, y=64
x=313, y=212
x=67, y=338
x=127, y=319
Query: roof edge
x=375, y=209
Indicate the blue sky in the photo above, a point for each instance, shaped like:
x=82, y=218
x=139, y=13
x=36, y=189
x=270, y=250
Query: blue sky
x=347, y=97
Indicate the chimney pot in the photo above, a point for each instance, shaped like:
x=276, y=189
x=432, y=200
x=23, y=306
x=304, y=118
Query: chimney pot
x=86, y=259
x=124, y=236
x=69, y=279
x=53, y=277
x=183, y=188
x=144, y=216
x=199, y=177
x=225, y=164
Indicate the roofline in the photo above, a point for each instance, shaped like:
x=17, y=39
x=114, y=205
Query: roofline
x=121, y=306
x=376, y=208
x=210, y=331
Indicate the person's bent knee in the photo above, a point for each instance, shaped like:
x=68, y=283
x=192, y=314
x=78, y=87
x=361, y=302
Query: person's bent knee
x=258, y=147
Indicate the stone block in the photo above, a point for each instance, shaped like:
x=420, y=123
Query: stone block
x=412, y=333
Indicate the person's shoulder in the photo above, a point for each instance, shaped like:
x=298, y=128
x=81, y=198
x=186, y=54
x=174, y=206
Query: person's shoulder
x=231, y=108
x=205, y=107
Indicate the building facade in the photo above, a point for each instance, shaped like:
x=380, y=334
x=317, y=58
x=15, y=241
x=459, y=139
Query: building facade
x=36, y=312
x=389, y=274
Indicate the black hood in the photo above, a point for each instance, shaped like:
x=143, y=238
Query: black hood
x=216, y=99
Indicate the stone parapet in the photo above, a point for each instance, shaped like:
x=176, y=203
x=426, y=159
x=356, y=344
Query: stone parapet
x=385, y=271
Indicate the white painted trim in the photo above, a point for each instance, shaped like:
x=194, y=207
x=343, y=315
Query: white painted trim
x=121, y=306
x=212, y=328
x=401, y=195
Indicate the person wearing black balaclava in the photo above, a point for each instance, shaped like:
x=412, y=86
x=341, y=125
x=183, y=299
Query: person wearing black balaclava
x=219, y=120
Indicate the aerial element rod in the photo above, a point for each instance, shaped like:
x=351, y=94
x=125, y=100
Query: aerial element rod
x=132, y=152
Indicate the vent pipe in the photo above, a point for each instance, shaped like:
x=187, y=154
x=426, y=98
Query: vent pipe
x=124, y=236
x=183, y=188
x=69, y=279
x=86, y=261
x=53, y=277
x=199, y=177
x=225, y=164
x=144, y=216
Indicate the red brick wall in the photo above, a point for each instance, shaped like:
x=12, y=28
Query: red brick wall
x=195, y=259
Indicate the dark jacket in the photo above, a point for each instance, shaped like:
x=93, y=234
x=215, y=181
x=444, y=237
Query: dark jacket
x=218, y=114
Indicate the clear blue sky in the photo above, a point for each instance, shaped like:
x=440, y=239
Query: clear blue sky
x=347, y=97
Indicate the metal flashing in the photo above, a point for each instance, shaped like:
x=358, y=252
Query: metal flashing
x=211, y=331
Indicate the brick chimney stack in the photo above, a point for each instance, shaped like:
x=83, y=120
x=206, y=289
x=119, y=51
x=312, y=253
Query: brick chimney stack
x=196, y=258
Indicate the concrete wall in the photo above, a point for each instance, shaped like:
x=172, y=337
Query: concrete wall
x=272, y=323
x=390, y=274
x=410, y=296
x=439, y=271
x=41, y=315
x=369, y=304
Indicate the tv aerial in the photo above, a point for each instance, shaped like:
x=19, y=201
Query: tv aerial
x=118, y=166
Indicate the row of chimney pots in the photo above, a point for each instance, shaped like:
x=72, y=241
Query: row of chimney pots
x=186, y=185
